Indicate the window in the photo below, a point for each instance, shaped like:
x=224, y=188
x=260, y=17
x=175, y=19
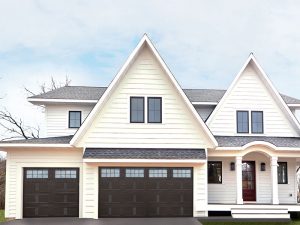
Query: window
x=110, y=172
x=62, y=173
x=257, y=122
x=137, y=110
x=37, y=174
x=154, y=110
x=214, y=172
x=182, y=173
x=158, y=173
x=282, y=173
x=134, y=172
x=74, y=119
x=242, y=121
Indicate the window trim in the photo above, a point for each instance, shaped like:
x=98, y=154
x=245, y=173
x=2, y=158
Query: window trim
x=130, y=108
x=148, y=98
x=286, y=173
x=237, y=125
x=134, y=168
x=111, y=168
x=159, y=168
x=181, y=177
x=221, y=182
x=255, y=111
x=69, y=124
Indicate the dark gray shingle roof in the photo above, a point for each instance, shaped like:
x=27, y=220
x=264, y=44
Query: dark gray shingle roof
x=234, y=141
x=94, y=93
x=143, y=153
x=49, y=140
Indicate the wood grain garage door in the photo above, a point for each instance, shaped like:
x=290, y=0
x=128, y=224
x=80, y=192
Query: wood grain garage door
x=145, y=192
x=51, y=192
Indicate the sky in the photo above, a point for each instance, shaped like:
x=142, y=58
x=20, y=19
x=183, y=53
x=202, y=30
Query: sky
x=204, y=43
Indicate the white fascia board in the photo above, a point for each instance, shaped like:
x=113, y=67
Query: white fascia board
x=145, y=160
x=205, y=103
x=56, y=100
x=294, y=105
x=12, y=145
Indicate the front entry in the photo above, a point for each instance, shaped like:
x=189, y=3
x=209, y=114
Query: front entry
x=248, y=177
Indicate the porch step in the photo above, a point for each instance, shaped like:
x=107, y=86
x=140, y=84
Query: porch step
x=260, y=213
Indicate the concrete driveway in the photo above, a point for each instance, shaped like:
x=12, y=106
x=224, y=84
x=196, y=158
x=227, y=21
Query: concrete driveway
x=106, y=221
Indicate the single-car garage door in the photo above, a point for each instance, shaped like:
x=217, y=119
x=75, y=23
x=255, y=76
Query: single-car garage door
x=51, y=192
x=145, y=192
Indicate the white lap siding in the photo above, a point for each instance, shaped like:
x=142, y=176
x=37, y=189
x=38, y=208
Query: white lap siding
x=225, y=192
x=200, y=190
x=17, y=159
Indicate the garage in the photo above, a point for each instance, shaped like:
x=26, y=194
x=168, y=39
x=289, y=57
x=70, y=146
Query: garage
x=145, y=192
x=51, y=192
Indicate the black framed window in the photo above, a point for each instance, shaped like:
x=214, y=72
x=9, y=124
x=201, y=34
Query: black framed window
x=37, y=174
x=65, y=173
x=242, y=120
x=134, y=172
x=156, y=173
x=214, y=172
x=137, y=110
x=182, y=173
x=282, y=171
x=257, y=124
x=110, y=172
x=74, y=119
x=154, y=110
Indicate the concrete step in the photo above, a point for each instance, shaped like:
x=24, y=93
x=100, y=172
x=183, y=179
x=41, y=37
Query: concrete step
x=261, y=213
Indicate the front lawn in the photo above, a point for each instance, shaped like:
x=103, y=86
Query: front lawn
x=294, y=222
x=2, y=219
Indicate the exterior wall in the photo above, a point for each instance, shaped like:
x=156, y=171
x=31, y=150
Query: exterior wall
x=200, y=190
x=57, y=118
x=17, y=159
x=250, y=93
x=224, y=193
x=145, y=77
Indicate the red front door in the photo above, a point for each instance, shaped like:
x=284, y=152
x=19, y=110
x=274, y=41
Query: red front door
x=249, y=186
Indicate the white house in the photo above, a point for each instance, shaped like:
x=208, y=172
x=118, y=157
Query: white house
x=145, y=147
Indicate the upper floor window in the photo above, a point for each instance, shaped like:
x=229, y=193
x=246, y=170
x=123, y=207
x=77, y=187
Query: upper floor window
x=214, y=172
x=137, y=110
x=154, y=110
x=242, y=121
x=282, y=173
x=74, y=119
x=257, y=122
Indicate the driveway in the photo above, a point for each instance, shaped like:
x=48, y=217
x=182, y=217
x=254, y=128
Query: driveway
x=106, y=221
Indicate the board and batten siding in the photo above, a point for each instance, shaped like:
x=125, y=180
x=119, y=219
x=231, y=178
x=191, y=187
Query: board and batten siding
x=17, y=159
x=112, y=127
x=250, y=93
x=57, y=118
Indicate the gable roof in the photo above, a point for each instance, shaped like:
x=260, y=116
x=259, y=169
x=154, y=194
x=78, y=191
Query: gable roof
x=93, y=94
x=278, y=98
x=144, y=41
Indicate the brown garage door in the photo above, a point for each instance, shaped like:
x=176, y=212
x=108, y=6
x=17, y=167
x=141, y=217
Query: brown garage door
x=51, y=192
x=145, y=192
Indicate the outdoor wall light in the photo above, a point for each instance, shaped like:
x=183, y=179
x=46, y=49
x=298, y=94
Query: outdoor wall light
x=232, y=166
x=262, y=167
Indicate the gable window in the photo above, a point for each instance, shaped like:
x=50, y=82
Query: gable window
x=74, y=119
x=137, y=110
x=242, y=118
x=214, y=172
x=282, y=173
x=154, y=110
x=257, y=122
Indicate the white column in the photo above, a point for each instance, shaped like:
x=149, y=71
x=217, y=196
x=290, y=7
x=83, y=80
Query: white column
x=239, y=183
x=274, y=178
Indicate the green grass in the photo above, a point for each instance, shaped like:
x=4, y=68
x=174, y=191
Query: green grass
x=294, y=222
x=2, y=219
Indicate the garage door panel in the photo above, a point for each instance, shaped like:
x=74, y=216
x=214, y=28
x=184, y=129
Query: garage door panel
x=52, y=194
x=154, y=193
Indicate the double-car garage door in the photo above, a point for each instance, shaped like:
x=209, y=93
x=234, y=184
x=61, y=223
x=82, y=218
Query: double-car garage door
x=123, y=192
x=145, y=192
x=51, y=192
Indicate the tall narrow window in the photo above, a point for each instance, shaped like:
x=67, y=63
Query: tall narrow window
x=154, y=110
x=137, y=110
x=257, y=126
x=214, y=172
x=74, y=119
x=282, y=173
x=242, y=120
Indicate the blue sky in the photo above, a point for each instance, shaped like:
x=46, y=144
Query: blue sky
x=205, y=43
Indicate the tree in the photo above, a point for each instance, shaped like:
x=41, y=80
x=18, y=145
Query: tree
x=14, y=127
